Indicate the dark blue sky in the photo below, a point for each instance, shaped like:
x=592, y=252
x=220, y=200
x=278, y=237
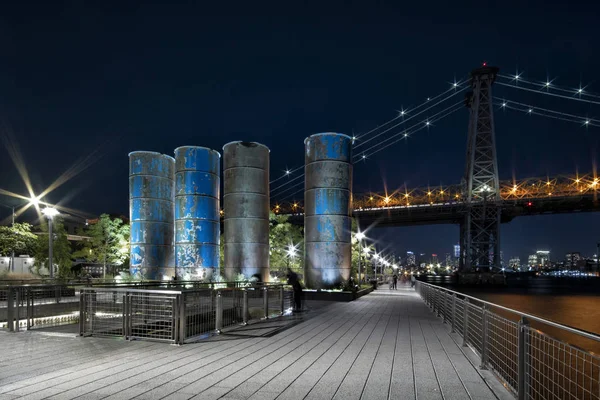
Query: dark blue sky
x=121, y=76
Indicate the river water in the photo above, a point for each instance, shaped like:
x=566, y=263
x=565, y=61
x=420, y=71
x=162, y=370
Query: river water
x=574, y=302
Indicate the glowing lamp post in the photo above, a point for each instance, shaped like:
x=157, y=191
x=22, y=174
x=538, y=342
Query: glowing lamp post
x=366, y=251
x=291, y=253
x=50, y=213
x=359, y=236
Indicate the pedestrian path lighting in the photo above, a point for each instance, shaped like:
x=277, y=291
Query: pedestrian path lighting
x=50, y=213
x=359, y=236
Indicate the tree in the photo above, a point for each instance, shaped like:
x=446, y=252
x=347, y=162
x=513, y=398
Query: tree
x=108, y=243
x=61, y=248
x=18, y=239
x=286, y=245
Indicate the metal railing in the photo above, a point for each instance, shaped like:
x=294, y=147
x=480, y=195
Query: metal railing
x=37, y=306
x=177, y=315
x=531, y=363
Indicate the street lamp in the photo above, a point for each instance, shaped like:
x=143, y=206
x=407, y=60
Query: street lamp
x=291, y=253
x=50, y=213
x=367, y=251
x=359, y=236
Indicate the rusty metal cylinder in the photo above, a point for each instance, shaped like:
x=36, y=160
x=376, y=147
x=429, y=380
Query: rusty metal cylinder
x=197, y=226
x=327, y=209
x=151, y=195
x=246, y=210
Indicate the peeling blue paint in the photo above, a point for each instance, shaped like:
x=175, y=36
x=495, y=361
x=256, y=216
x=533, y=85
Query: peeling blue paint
x=327, y=213
x=197, y=228
x=151, y=191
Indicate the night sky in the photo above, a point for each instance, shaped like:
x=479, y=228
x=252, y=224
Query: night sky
x=115, y=77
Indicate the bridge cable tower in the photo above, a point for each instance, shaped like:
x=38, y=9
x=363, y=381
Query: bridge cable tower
x=480, y=230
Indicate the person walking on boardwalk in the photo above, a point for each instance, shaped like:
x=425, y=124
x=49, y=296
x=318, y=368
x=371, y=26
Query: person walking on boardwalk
x=413, y=280
x=297, y=288
x=395, y=281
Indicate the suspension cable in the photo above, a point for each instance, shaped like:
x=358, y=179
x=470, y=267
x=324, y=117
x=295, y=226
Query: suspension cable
x=547, y=93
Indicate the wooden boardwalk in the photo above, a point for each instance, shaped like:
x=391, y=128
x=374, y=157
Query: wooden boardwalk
x=386, y=345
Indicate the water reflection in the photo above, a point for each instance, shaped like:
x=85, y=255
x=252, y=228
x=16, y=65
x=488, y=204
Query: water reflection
x=571, y=302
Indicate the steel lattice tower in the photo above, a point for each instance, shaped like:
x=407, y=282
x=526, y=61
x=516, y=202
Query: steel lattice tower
x=480, y=231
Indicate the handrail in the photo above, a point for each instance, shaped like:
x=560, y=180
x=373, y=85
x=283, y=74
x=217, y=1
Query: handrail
x=171, y=290
x=588, y=335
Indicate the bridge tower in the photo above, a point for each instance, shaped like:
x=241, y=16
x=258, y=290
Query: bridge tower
x=480, y=230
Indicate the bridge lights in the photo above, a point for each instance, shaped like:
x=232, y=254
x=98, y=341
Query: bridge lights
x=529, y=204
x=386, y=200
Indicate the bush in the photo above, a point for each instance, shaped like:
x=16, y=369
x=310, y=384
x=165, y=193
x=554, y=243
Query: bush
x=6, y=275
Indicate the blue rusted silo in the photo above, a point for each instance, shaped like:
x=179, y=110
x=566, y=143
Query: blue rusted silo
x=246, y=209
x=327, y=209
x=151, y=194
x=197, y=227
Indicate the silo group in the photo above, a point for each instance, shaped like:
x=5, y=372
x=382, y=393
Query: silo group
x=176, y=221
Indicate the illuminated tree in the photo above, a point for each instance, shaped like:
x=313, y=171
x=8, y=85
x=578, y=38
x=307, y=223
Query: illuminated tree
x=108, y=243
x=286, y=245
x=18, y=239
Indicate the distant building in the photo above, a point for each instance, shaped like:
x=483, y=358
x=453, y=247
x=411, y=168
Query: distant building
x=543, y=258
x=456, y=251
x=571, y=260
x=515, y=263
x=410, y=258
x=434, y=259
x=448, y=260
x=532, y=261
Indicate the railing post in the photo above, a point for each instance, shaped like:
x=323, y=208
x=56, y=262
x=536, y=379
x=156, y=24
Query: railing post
x=245, y=307
x=57, y=293
x=266, y=302
x=182, y=317
x=484, y=337
x=81, y=312
x=17, y=307
x=445, y=310
x=453, y=322
x=10, y=309
x=125, y=314
x=466, y=322
x=438, y=294
x=522, y=388
x=29, y=309
x=282, y=305
x=219, y=314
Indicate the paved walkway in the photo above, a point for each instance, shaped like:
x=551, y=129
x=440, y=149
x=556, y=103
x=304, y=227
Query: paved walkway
x=386, y=345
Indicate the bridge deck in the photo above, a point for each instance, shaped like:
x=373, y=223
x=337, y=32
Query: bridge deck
x=386, y=345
